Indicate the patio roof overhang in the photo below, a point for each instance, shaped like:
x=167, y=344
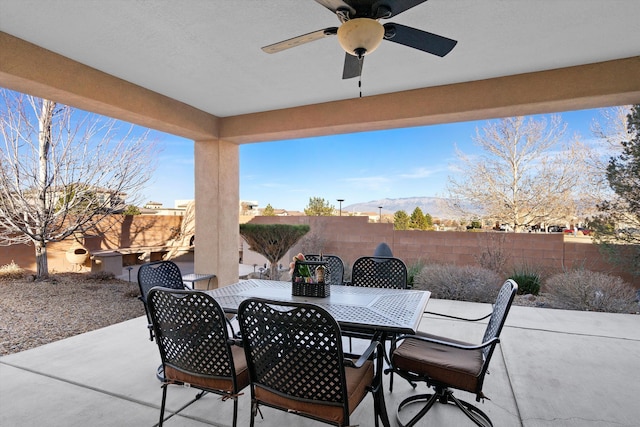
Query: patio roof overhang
x=31, y=69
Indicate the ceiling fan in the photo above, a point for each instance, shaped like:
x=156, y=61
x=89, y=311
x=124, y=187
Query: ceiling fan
x=360, y=32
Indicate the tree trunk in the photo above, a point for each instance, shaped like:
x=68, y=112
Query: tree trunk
x=274, y=272
x=42, y=267
x=44, y=146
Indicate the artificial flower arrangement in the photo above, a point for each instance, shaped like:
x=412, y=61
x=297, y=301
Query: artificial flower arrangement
x=308, y=277
x=304, y=273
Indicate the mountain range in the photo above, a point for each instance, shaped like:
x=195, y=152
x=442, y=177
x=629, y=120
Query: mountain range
x=437, y=207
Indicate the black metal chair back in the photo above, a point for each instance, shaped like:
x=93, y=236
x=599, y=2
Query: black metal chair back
x=296, y=362
x=379, y=272
x=334, y=264
x=195, y=345
x=159, y=273
x=498, y=316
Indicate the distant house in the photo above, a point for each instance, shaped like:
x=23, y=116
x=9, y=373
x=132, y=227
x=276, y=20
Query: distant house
x=81, y=195
x=153, y=205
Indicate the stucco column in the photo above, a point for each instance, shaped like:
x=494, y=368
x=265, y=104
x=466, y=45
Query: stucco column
x=217, y=209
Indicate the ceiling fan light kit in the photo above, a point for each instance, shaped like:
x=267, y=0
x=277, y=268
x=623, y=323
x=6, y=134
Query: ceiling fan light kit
x=360, y=33
x=360, y=36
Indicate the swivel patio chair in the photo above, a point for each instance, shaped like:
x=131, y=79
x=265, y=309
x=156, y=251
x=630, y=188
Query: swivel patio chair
x=445, y=364
x=196, y=347
x=334, y=264
x=296, y=363
x=159, y=273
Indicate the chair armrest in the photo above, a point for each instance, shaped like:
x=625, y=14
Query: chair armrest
x=374, y=345
x=235, y=341
x=459, y=318
x=231, y=328
x=492, y=341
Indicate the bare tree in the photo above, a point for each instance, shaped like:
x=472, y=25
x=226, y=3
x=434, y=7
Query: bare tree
x=608, y=131
x=526, y=175
x=63, y=171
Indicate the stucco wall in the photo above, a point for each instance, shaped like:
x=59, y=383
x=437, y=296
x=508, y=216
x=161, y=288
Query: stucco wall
x=352, y=237
x=114, y=232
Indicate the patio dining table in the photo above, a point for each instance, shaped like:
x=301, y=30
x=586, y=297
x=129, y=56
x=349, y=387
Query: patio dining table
x=380, y=311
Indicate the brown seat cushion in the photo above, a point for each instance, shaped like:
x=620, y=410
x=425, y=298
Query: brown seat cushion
x=224, y=384
x=457, y=368
x=358, y=379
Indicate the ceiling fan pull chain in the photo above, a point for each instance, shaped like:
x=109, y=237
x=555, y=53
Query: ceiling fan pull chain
x=360, y=62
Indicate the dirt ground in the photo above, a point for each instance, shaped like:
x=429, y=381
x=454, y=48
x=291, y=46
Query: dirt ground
x=34, y=313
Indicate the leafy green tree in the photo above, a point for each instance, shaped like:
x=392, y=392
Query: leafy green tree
x=619, y=221
x=319, y=207
x=400, y=220
x=429, y=220
x=131, y=210
x=474, y=225
x=417, y=220
x=268, y=211
x=273, y=241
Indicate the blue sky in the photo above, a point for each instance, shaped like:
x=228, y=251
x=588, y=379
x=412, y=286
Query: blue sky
x=411, y=162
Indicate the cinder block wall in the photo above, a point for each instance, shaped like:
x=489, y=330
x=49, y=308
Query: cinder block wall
x=352, y=237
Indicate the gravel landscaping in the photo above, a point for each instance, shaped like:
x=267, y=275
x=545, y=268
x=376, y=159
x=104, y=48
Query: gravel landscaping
x=33, y=313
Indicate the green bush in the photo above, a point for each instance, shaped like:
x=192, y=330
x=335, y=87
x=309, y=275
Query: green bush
x=591, y=291
x=463, y=283
x=413, y=270
x=527, y=279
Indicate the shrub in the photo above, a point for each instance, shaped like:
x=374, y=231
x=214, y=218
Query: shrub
x=413, y=270
x=11, y=271
x=463, y=283
x=528, y=280
x=493, y=254
x=591, y=291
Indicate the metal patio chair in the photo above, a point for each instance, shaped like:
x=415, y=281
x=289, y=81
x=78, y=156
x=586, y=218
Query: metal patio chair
x=334, y=264
x=196, y=347
x=378, y=272
x=445, y=364
x=159, y=273
x=296, y=363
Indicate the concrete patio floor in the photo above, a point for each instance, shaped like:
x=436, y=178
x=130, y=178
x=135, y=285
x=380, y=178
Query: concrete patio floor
x=553, y=368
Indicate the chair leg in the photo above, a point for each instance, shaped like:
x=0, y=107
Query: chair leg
x=380, y=407
x=254, y=410
x=430, y=400
x=164, y=399
x=474, y=413
x=235, y=411
x=441, y=395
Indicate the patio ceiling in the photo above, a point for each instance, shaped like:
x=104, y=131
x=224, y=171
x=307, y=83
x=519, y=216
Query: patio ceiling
x=206, y=55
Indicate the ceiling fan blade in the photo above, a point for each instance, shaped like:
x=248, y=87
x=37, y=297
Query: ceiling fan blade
x=418, y=39
x=297, y=41
x=352, y=66
x=335, y=5
x=395, y=7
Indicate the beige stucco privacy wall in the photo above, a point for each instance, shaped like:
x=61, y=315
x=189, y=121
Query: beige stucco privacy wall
x=352, y=237
x=116, y=231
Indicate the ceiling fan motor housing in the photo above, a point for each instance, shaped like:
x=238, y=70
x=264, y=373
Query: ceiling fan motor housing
x=360, y=36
